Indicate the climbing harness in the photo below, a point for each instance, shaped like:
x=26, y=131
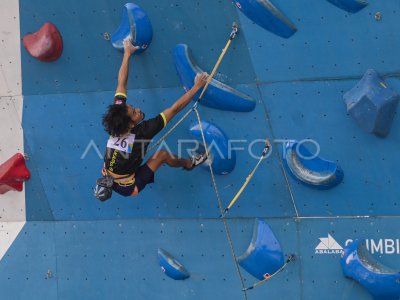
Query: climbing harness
x=266, y=148
x=290, y=258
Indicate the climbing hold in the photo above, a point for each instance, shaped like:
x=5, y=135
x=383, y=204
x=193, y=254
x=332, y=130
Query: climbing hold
x=13, y=173
x=266, y=15
x=218, y=95
x=264, y=255
x=379, y=280
x=308, y=168
x=351, y=6
x=372, y=104
x=171, y=267
x=136, y=26
x=222, y=157
x=45, y=44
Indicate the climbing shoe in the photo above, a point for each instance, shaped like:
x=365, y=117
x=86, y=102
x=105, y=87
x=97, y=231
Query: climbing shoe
x=196, y=161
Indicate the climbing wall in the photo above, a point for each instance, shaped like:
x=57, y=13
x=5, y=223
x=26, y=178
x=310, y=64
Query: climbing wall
x=12, y=204
x=73, y=246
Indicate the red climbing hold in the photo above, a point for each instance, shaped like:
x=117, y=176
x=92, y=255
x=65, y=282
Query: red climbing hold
x=13, y=173
x=45, y=44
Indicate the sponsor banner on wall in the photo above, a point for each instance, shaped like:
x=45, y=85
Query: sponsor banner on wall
x=329, y=245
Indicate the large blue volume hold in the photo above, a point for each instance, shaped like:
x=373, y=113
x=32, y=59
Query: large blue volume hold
x=372, y=104
x=171, y=267
x=310, y=169
x=382, y=282
x=136, y=26
x=264, y=255
x=218, y=95
x=222, y=157
x=352, y=6
x=266, y=15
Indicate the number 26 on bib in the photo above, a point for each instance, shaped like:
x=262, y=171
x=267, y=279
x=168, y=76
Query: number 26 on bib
x=124, y=144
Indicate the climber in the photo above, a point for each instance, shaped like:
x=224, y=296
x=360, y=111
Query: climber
x=130, y=136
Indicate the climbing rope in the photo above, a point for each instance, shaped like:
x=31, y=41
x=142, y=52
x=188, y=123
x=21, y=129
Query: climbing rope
x=170, y=130
x=232, y=35
x=267, y=146
x=228, y=234
x=194, y=108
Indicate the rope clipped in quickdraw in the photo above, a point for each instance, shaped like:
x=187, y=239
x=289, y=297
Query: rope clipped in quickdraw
x=266, y=148
x=235, y=29
x=228, y=234
x=290, y=258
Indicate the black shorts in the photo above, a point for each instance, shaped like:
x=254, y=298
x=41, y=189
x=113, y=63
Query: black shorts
x=143, y=176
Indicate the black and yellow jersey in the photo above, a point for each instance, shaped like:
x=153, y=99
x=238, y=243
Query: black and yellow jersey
x=125, y=154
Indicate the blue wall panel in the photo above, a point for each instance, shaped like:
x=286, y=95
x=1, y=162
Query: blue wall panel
x=89, y=63
x=315, y=110
x=24, y=268
x=118, y=259
x=322, y=272
x=72, y=121
x=329, y=42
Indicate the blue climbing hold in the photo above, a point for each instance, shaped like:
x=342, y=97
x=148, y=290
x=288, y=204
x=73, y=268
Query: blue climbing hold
x=217, y=95
x=382, y=282
x=171, y=267
x=308, y=168
x=264, y=255
x=266, y=15
x=352, y=6
x=136, y=26
x=222, y=157
x=372, y=104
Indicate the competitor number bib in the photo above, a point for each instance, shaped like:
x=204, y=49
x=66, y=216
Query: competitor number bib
x=123, y=144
